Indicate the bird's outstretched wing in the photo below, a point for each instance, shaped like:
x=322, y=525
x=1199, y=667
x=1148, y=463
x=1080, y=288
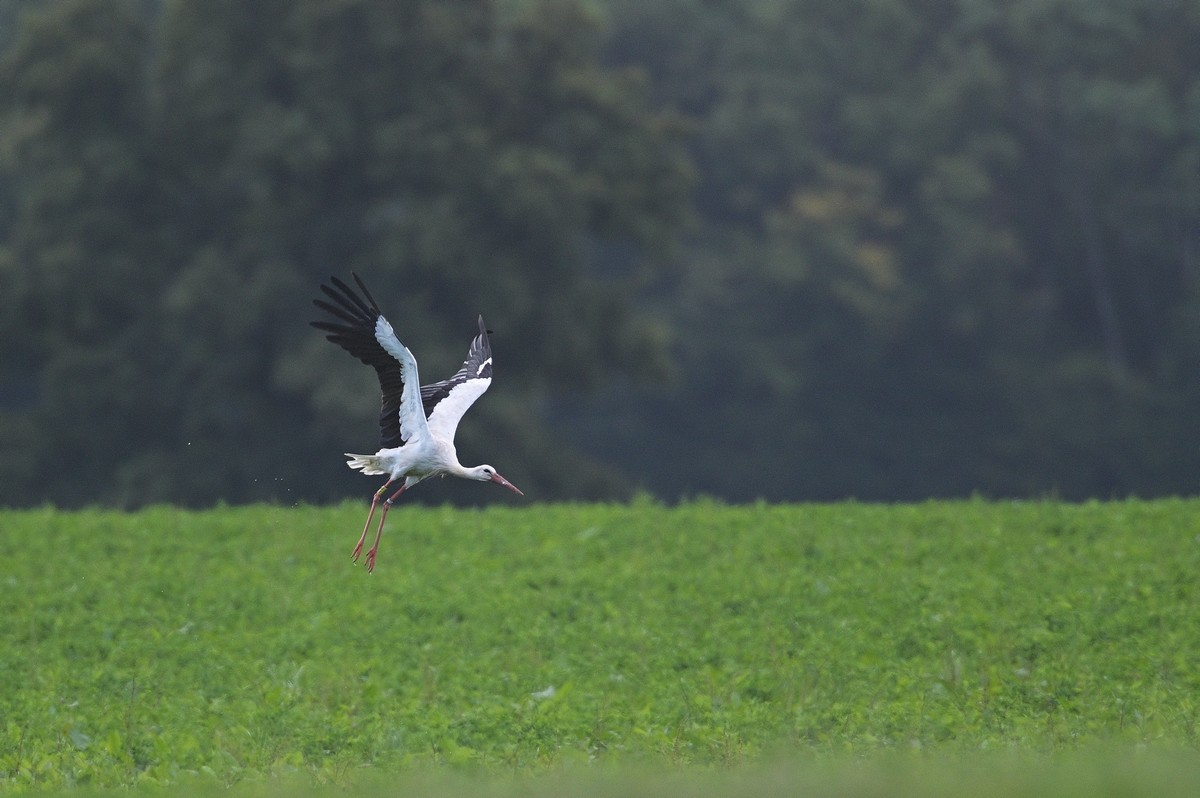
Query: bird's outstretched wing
x=446, y=401
x=365, y=333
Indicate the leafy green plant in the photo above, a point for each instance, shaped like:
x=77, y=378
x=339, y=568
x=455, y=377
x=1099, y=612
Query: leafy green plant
x=240, y=644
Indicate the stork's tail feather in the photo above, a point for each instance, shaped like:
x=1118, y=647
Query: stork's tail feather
x=366, y=463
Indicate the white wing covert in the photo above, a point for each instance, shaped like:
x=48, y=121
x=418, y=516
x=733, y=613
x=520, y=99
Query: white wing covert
x=412, y=412
x=449, y=399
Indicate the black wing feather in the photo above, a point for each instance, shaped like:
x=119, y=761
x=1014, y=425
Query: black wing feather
x=356, y=334
x=477, y=364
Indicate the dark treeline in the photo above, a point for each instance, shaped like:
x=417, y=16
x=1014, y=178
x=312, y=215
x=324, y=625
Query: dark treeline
x=793, y=249
x=942, y=248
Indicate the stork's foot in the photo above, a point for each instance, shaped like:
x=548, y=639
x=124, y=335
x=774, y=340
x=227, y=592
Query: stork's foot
x=371, y=559
x=357, y=552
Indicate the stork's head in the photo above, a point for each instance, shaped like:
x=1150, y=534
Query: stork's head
x=485, y=473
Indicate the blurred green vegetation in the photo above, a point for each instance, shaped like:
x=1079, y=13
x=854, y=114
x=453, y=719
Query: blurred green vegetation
x=1102, y=771
x=792, y=249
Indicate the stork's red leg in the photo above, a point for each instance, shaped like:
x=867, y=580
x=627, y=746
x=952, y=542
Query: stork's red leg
x=374, y=500
x=387, y=505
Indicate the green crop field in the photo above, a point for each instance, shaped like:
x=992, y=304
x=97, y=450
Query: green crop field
x=846, y=649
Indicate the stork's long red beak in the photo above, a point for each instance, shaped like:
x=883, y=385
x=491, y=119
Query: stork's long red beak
x=499, y=480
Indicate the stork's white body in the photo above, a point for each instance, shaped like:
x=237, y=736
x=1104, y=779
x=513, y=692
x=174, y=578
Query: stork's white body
x=417, y=423
x=432, y=457
x=428, y=448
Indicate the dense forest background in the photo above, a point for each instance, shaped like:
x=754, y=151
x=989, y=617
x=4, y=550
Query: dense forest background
x=788, y=249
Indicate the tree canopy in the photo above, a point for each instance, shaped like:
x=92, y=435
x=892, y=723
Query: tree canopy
x=182, y=175
x=942, y=248
x=792, y=249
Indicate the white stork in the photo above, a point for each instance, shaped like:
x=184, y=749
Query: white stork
x=417, y=424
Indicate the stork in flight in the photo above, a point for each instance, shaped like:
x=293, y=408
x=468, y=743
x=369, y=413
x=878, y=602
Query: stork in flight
x=416, y=424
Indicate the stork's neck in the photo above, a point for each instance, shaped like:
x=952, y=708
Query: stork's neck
x=447, y=457
x=457, y=469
